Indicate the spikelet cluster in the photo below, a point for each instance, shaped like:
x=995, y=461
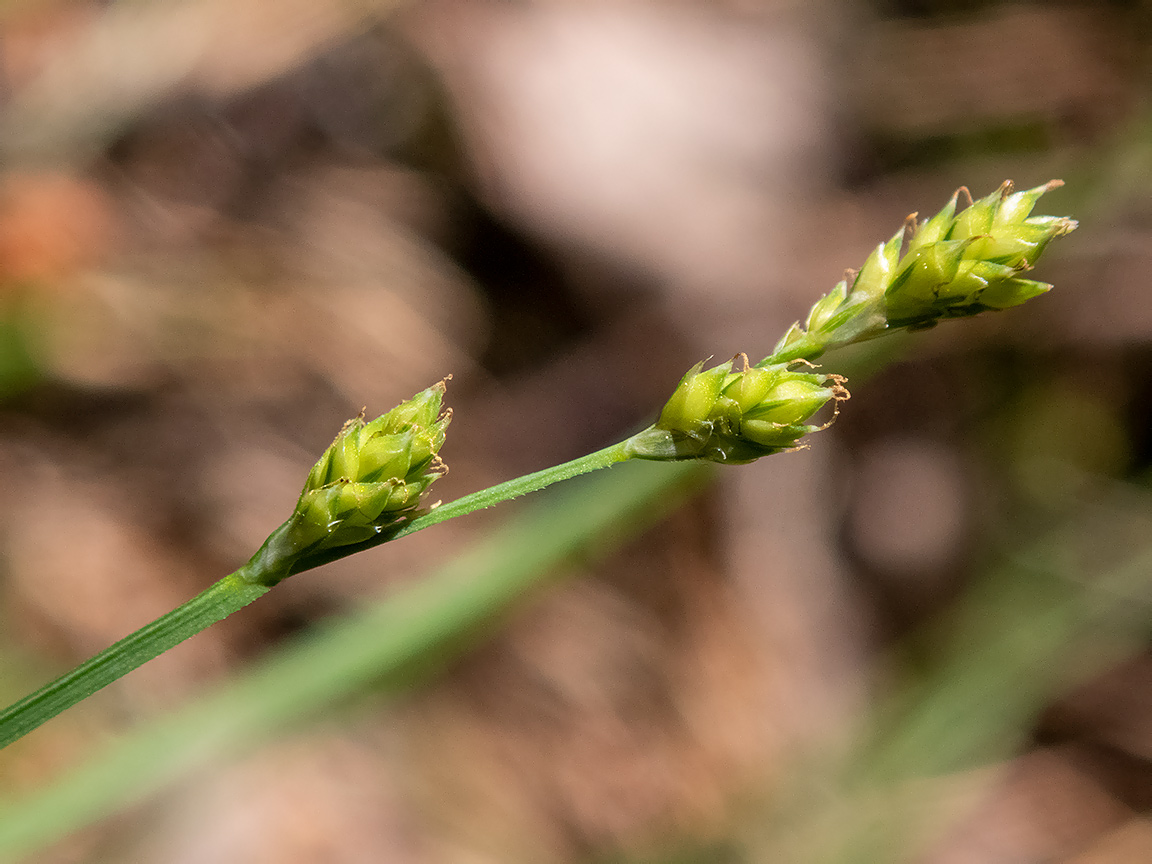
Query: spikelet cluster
x=953, y=265
x=737, y=415
x=373, y=474
x=956, y=264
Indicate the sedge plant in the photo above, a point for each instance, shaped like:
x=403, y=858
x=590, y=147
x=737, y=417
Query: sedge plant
x=368, y=486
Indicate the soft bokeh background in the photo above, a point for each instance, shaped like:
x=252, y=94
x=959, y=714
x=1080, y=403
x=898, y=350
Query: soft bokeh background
x=226, y=226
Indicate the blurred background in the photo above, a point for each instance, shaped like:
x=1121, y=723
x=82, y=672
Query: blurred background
x=226, y=226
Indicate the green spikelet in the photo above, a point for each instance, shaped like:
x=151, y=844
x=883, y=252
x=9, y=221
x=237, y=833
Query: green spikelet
x=374, y=473
x=372, y=477
x=961, y=264
x=735, y=416
x=958, y=263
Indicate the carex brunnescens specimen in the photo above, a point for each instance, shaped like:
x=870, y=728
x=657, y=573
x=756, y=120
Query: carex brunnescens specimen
x=368, y=486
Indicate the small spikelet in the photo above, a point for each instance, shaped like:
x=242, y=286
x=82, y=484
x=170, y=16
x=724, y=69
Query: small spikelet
x=735, y=415
x=372, y=475
x=966, y=259
x=959, y=262
x=970, y=262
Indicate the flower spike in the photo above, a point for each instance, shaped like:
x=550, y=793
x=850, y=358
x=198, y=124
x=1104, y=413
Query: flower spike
x=737, y=415
x=371, y=478
x=375, y=473
x=968, y=258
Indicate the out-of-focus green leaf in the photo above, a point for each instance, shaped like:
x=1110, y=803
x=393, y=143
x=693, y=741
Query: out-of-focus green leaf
x=1054, y=613
x=18, y=368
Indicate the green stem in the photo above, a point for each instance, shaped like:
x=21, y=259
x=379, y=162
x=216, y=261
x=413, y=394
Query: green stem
x=238, y=589
x=481, y=500
x=510, y=489
x=381, y=649
x=231, y=593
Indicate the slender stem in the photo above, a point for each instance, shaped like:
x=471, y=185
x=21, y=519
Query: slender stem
x=510, y=489
x=238, y=589
x=481, y=500
x=389, y=646
x=231, y=593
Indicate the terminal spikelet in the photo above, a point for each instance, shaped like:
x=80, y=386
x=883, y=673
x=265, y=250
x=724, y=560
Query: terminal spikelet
x=956, y=264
